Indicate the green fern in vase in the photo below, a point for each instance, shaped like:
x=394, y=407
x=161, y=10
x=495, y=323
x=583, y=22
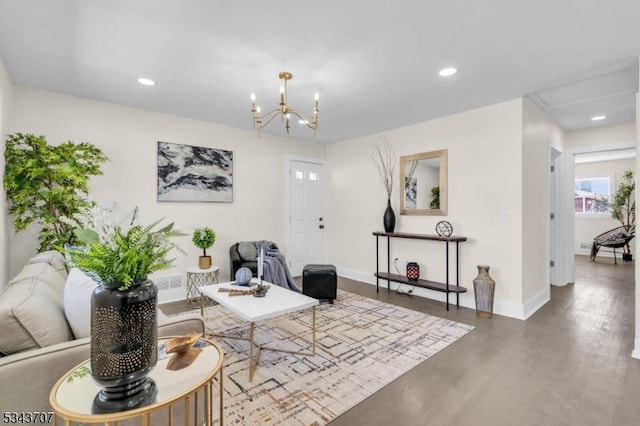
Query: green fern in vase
x=126, y=257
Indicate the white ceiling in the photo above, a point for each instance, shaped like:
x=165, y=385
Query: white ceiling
x=374, y=64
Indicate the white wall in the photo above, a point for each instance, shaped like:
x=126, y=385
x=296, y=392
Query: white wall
x=601, y=137
x=485, y=172
x=540, y=133
x=5, y=109
x=587, y=227
x=487, y=150
x=128, y=136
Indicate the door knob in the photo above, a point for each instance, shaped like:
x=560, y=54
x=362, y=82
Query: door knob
x=321, y=226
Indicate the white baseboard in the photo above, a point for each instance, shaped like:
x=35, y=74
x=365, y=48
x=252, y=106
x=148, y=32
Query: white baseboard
x=636, y=350
x=467, y=300
x=601, y=253
x=536, y=302
x=562, y=285
x=365, y=277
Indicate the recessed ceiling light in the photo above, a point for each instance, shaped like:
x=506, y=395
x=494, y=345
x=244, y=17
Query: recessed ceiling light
x=146, y=82
x=598, y=117
x=447, y=72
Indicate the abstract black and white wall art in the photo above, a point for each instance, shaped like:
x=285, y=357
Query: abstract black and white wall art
x=194, y=173
x=411, y=192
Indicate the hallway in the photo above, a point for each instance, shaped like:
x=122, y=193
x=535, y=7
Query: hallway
x=569, y=364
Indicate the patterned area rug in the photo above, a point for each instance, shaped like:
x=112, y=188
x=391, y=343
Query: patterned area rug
x=361, y=345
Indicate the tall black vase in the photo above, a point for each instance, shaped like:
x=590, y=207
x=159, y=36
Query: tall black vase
x=124, y=346
x=389, y=218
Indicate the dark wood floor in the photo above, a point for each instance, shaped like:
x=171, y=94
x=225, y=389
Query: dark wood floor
x=569, y=364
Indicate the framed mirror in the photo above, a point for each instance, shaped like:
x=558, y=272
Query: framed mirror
x=424, y=177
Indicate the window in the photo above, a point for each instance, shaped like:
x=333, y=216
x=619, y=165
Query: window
x=302, y=175
x=591, y=195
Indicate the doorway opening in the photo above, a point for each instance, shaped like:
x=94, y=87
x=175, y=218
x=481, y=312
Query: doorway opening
x=597, y=177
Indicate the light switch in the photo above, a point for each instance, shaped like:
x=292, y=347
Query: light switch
x=504, y=209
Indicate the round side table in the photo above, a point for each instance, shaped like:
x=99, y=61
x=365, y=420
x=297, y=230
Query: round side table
x=182, y=394
x=197, y=277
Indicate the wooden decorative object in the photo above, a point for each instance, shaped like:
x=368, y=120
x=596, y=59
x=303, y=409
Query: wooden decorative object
x=180, y=361
x=259, y=289
x=181, y=344
x=184, y=353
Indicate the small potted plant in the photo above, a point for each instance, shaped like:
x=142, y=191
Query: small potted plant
x=204, y=238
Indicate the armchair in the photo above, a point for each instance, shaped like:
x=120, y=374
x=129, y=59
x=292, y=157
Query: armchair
x=244, y=254
x=236, y=261
x=614, y=238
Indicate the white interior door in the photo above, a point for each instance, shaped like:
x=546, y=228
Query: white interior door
x=306, y=183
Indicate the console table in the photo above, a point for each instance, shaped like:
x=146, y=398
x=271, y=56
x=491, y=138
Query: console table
x=445, y=287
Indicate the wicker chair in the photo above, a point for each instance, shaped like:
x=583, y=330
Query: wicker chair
x=614, y=238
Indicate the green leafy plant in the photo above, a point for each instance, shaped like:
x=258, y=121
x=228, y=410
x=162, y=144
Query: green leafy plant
x=435, y=198
x=47, y=185
x=122, y=258
x=623, y=206
x=79, y=373
x=203, y=238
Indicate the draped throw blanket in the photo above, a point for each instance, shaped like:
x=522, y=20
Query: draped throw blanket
x=275, y=266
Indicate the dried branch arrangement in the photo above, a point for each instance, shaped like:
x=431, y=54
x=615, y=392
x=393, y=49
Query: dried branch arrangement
x=238, y=292
x=385, y=159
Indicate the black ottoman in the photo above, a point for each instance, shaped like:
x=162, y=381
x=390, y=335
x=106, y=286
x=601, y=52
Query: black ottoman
x=320, y=282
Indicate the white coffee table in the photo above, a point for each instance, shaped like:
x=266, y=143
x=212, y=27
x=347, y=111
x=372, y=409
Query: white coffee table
x=278, y=301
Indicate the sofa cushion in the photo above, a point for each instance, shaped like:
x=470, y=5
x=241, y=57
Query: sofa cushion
x=77, y=302
x=247, y=251
x=31, y=310
x=53, y=258
x=44, y=273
